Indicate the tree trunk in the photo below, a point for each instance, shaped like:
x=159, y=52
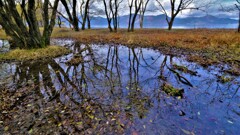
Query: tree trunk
x=116, y=16
x=72, y=18
x=137, y=8
x=89, y=22
x=109, y=26
x=141, y=21
x=170, y=23
x=133, y=22
x=59, y=22
x=75, y=18
x=88, y=19
x=239, y=22
x=129, y=21
x=108, y=18
x=85, y=15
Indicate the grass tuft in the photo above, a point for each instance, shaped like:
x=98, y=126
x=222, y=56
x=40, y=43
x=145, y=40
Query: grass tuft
x=2, y=34
x=34, y=54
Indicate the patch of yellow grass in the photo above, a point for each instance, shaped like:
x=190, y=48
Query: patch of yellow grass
x=34, y=54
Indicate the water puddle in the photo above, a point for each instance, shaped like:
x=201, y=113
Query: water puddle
x=4, y=46
x=115, y=90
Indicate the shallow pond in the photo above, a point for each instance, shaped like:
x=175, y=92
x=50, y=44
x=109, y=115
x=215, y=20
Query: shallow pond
x=109, y=89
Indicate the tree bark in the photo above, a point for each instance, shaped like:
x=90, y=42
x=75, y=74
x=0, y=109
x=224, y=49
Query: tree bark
x=141, y=21
x=170, y=24
x=75, y=18
x=89, y=21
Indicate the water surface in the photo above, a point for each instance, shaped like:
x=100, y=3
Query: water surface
x=111, y=89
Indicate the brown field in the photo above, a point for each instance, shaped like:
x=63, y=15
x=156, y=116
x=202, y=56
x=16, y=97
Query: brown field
x=201, y=45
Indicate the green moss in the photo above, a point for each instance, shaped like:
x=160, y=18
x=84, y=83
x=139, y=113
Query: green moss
x=184, y=69
x=34, y=54
x=170, y=90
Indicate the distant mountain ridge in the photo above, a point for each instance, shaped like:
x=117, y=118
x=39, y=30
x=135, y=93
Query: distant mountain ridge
x=159, y=21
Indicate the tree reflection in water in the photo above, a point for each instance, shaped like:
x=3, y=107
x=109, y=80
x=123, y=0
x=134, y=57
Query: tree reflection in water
x=116, y=90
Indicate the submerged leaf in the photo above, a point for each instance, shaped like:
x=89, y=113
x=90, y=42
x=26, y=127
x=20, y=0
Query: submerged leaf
x=187, y=132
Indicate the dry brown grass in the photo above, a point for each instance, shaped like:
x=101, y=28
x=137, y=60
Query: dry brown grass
x=202, y=45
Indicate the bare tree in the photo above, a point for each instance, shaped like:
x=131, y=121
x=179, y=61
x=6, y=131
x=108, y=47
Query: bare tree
x=111, y=11
x=72, y=17
x=238, y=8
x=108, y=15
x=137, y=6
x=176, y=6
x=142, y=12
x=115, y=4
x=84, y=14
x=233, y=8
x=26, y=34
x=94, y=10
x=89, y=14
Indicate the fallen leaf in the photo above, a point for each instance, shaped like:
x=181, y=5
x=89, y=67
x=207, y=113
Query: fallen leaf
x=6, y=128
x=30, y=131
x=60, y=124
x=79, y=123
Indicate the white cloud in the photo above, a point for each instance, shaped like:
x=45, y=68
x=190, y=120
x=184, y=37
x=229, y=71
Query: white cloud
x=153, y=8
